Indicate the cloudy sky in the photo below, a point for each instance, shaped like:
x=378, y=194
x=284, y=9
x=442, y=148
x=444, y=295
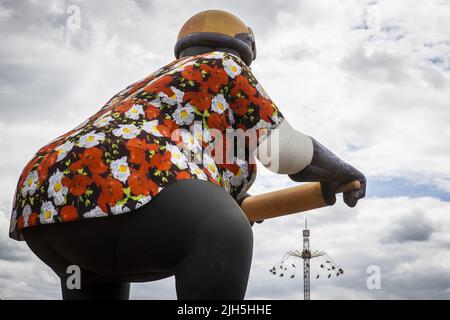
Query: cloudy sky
x=369, y=79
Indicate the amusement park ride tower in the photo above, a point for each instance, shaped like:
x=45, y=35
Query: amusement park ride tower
x=306, y=256
x=326, y=264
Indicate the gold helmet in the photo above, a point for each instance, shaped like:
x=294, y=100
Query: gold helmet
x=219, y=29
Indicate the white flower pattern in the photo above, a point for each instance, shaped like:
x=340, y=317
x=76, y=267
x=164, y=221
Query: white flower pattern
x=219, y=104
x=173, y=100
x=30, y=184
x=143, y=201
x=56, y=189
x=184, y=115
x=26, y=215
x=197, y=171
x=151, y=127
x=95, y=213
x=48, y=211
x=119, y=209
x=232, y=68
x=127, y=131
x=177, y=157
x=190, y=142
x=135, y=112
x=63, y=150
x=210, y=165
x=120, y=169
x=103, y=121
x=91, y=139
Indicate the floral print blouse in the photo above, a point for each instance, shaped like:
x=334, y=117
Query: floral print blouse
x=123, y=155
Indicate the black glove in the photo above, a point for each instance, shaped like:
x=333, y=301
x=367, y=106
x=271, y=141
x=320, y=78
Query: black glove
x=331, y=172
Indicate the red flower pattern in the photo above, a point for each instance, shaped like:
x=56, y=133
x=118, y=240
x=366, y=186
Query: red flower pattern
x=217, y=78
x=69, y=213
x=201, y=100
x=112, y=191
x=92, y=159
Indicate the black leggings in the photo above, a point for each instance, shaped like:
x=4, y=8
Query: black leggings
x=193, y=230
